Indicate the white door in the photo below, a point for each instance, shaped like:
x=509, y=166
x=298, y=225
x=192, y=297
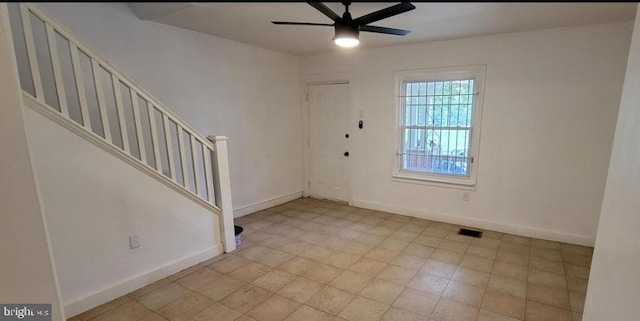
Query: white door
x=328, y=141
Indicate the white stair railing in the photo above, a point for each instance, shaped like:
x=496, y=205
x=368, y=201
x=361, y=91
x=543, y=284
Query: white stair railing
x=69, y=83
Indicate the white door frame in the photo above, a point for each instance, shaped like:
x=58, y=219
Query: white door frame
x=305, y=82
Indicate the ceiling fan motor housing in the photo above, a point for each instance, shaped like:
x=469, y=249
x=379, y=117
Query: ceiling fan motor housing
x=346, y=30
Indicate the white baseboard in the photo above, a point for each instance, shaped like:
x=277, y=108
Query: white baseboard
x=126, y=286
x=480, y=223
x=258, y=206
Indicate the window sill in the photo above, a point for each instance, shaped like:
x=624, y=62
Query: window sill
x=433, y=181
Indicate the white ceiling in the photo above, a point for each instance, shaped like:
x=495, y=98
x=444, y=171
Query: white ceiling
x=250, y=22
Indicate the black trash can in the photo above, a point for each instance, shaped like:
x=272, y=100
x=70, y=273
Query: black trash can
x=238, y=230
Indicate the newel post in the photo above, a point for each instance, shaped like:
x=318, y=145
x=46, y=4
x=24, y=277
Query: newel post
x=222, y=187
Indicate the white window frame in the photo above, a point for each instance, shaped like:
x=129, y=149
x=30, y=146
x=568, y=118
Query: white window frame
x=475, y=72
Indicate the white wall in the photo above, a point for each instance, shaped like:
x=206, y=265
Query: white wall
x=27, y=274
x=614, y=282
x=550, y=105
x=218, y=86
x=93, y=201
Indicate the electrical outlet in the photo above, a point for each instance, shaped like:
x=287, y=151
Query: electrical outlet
x=134, y=241
x=465, y=196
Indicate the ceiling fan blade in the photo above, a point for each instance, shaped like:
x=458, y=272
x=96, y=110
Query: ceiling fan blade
x=384, y=13
x=325, y=10
x=301, y=23
x=385, y=30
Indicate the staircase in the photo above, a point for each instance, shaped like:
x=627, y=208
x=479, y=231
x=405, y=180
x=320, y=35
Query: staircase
x=67, y=82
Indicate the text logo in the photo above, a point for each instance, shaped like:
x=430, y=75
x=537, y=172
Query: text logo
x=25, y=312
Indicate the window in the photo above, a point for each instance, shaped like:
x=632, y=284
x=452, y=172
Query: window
x=439, y=124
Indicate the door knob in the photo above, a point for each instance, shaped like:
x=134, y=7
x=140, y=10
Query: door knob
x=346, y=154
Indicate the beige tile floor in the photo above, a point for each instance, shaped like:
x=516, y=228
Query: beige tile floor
x=311, y=260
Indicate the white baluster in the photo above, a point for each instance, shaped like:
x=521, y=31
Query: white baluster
x=183, y=158
x=82, y=97
x=196, y=169
x=206, y=152
x=136, y=119
x=154, y=137
x=115, y=82
x=167, y=139
x=57, y=70
x=102, y=105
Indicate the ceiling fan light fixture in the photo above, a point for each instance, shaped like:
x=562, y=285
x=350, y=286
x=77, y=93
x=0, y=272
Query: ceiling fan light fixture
x=346, y=36
x=347, y=42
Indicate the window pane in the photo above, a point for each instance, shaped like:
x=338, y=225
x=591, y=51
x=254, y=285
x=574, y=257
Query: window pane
x=145, y=125
x=202, y=177
x=110, y=107
x=437, y=126
x=130, y=124
x=68, y=78
x=189, y=162
x=90, y=93
x=20, y=47
x=175, y=143
x=44, y=61
x=162, y=142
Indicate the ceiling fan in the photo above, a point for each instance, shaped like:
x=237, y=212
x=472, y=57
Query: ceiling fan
x=348, y=29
